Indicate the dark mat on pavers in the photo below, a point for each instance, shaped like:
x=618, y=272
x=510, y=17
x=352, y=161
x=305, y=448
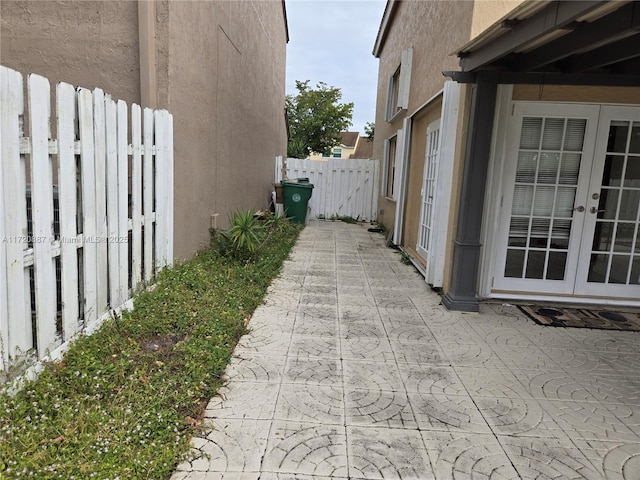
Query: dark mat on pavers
x=599, y=318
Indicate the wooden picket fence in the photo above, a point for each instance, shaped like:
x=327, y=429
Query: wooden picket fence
x=342, y=188
x=86, y=215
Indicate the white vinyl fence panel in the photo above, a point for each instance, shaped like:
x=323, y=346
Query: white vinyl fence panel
x=341, y=188
x=72, y=201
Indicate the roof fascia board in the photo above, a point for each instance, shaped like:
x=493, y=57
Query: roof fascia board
x=286, y=22
x=385, y=23
x=556, y=15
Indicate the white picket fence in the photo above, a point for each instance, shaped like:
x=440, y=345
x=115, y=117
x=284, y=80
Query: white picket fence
x=343, y=188
x=85, y=216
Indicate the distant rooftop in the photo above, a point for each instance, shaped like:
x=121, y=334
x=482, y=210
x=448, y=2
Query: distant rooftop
x=349, y=139
x=364, y=149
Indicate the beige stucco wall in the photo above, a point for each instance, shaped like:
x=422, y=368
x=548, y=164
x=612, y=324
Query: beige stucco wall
x=219, y=69
x=487, y=12
x=74, y=41
x=561, y=93
x=434, y=29
x=233, y=98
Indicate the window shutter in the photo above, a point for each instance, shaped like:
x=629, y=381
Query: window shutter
x=405, y=79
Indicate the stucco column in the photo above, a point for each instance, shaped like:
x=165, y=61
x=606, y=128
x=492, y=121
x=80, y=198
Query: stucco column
x=461, y=294
x=147, y=47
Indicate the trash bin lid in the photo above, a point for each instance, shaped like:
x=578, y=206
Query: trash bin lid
x=296, y=180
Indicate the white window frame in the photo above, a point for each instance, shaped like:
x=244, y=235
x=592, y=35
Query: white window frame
x=399, y=86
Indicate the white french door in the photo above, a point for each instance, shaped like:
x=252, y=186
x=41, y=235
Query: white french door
x=570, y=202
x=428, y=192
x=610, y=261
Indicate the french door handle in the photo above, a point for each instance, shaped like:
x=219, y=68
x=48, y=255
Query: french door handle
x=579, y=209
x=595, y=210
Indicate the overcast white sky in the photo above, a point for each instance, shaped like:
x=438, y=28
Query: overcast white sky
x=331, y=41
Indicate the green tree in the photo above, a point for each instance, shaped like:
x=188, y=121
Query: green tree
x=370, y=130
x=316, y=118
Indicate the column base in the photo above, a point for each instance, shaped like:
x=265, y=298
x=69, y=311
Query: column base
x=461, y=303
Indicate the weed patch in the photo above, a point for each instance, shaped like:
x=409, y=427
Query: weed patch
x=125, y=402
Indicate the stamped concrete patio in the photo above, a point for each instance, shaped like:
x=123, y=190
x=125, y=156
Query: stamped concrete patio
x=353, y=369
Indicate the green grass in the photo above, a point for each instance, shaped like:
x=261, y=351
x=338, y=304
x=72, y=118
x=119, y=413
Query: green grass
x=125, y=401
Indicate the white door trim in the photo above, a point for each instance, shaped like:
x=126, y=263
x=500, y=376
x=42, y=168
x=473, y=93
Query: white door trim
x=400, y=188
x=493, y=192
x=444, y=183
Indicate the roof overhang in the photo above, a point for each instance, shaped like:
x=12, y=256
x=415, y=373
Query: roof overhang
x=385, y=23
x=557, y=42
x=286, y=22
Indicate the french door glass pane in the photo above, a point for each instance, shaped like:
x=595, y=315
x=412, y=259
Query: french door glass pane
x=553, y=133
x=618, y=137
x=522, y=199
x=635, y=271
x=535, y=264
x=570, y=168
x=557, y=265
x=629, y=205
x=543, y=204
x=560, y=234
x=564, y=204
x=518, y=232
x=613, y=166
x=632, y=175
x=634, y=144
x=531, y=133
x=619, y=269
x=527, y=163
x=515, y=263
x=574, y=137
x=548, y=171
x=598, y=268
x=603, y=238
x=624, y=237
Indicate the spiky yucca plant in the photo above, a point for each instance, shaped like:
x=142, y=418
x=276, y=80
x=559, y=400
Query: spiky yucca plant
x=245, y=234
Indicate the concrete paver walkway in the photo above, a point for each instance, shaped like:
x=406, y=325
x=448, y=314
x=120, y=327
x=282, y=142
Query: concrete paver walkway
x=353, y=370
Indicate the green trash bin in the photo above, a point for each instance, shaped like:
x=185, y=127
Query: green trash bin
x=297, y=193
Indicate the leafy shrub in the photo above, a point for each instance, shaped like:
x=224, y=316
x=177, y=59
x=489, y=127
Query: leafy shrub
x=277, y=223
x=243, y=237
